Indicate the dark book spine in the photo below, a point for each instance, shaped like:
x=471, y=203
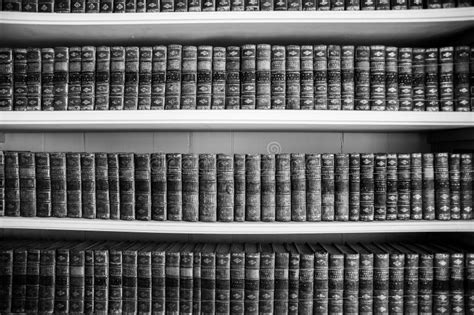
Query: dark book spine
x=32, y=280
x=399, y=5
x=248, y=73
x=341, y=187
x=88, y=71
x=266, y=5
x=281, y=283
x=327, y=187
x=144, y=78
x=223, y=5
x=441, y=186
x=196, y=282
x=336, y=283
x=313, y=187
x=61, y=284
x=132, y=62
x=320, y=77
x=351, y=284
x=19, y=280
x=189, y=77
x=334, y=76
x=278, y=77
x=47, y=281
x=58, y=184
x=43, y=184
x=415, y=4
x=405, y=78
x=114, y=185
x=428, y=186
x=293, y=76
x=307, y=77
x=142, y=186
x=251, y=5
x=222, y=283
x=392, y=186
x=237, y=5
x=77, y=6
x=382, y=4
x=225, y=188
x=130, y=6
x=294, y=5
x=115, y=281
x=20, y=99
x=425, y=283
x=367, y=194
x=167, y=5
x=12, y=5
x=101, y=281
x=33, y=79
x=337, y=5
x=174, y=195
x=127, y=186
x=173, y=77
x=158, y=77
x=446, y=78
x=240, y=187
x=117, y=77
x=106, y=6
x=469, y=276
x=306, y=284
x=129, y=281
x=102, y=78
x=353, y=5
x=381, y=283
x=323, y=5
x=237, y=282
x=74, y=87
x=12, y=184
x=153, y=6
x=158, y=186
x=461, y=79
x=321, y=283
x=232, y=85
x=208, y=282
x=76, y=280
x=27, y=175
x=377, y=78
x=190, y=179
x=204, y=77
x=380, y=186
x=280, y=5
x=410, y=300
x=347, y=77
x=366, y=283
x=263, y=76
x=252, y=283
x=416, y=186
x=396, y=283
x=45, y=5
x=298, y=186
x=293, y=283
x=362, y=77
x=455, y=185
x=73, y=185
x=180, y=6
x=186, y=285
x=6, y=79
x=267, y=283
x=471, y=77
x=268, y=201
x=6, y=271
x=158, y=284
x=457, y=297
x=219, y=75
x=441, y=269
x=88, y=185
x=391, y=78
x=209, y=5
x=309, y=5
x=431, y=80
x=89, y=281
x=252, y=187
x=466, y=186
x=418, y=64
x=102, y=186
x=47, y=79
x=354, y=186
x=207, y=187
x=404, y=187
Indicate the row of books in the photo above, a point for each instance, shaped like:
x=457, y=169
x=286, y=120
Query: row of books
x=250, y=278
x=124, y=6
x=240, y=187
x=321, y=77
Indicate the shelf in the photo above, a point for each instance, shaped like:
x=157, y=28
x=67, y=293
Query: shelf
x=417, y=27
x=251, y=120
x=233, y=228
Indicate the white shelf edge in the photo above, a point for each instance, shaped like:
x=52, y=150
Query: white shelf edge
x=233, y=228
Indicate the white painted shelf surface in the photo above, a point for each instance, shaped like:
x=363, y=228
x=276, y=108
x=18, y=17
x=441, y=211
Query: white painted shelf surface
x=390, y=27
x=278, y=120
x=237, y=228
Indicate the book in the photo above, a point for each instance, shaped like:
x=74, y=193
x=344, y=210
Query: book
x=405, y=78
x=186, y=262
x=278, y=77
x=88, y=185
x=362, y=77
x=347, y=76
x=114, y=185
x=189, y=77
x=403, y=186
x=102, y=186
x=268, y=182
x=61, y=78
x=381, y=278
x=377, y=77
x=416, y=186
x=144, y=78
x=43, y=184
x=320, y=77
x=167, y=5
x=293, y=75
x=281, y=278
x=33, y=78
x=335, y=279
x=204, y=76
x=341, y=187
x=411, y=276
x=117, y=78
x=219, y=72
x=61, y=281
x=74, y=185
x=382, y=4
x=418, y=70
x=130, y=277
x=58, y=184
x=391, y=78
x=392, y=186
x=102, y=78
x=19, y=280
x=327, y=187
x=101, y=278
x=240, y=187
x=78, y=6
x=47, y=79
x=208, y=278
x=158, y=77
x=380, y=186
x=431, y=80
x=197, y=278
x=321, y=279
x=20, y=99
x=89, y=272
x=158, y=278
x=248, y=73
x=27, y=180
x=442, y=189
x=142, y=186
x=115, y=278
x=366, y=278
x=334, y=76
x=32, y=279
x=172, y=278
x=106, y=6
x=446, y=78
x=461, y=78
x=174, y=195
x=367, y=187
x=232, y=85
x=313, y=187
x=144, y=277
x=396, y=279
x=351, y=279
x=225, y=187
x=237, y=278
x=6, y=81
x=263, y=76
x=454, y=162
x=127, y=186
x=47, y=279
x=267, y=279
x=207, y=187
x=88, y=70
x=190, y=180
x=428, y=195
x=306, y=77
x=293, y=278
x=466, y=186
x=223, y=278
x=252, y=187
x=158, y=170
x=306, y=280
x=298, y=187
x=132, y=57
x=354, y=186
x=173, y=77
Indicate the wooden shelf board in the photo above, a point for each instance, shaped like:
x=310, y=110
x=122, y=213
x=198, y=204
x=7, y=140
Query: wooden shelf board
x=369, y=27
x=279, y=120
x=236, y=228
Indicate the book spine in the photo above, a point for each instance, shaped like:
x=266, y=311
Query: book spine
x=293, y=283
x=381, y=283
x=410, y=300
x=298, y=187
x=117, y=77
x=351, y=284
x=327, y=187
x=130, y=6
x=12, y=184
x=207, y=187
x=471, y=77
x=263, y=79
x=441, y=269
x=366, y=283
x=6, y=79
x=431, y=80
x=45, y=5
x=47, y=281
x=293, y=75
x=167, y=5
x=2, y=183
x=74, y=87
x=47, y=79
x=92, y=6
x=267, y=283
x=144, y=78
x=174, y=196
x=101, y=281
x=428, y=187
x=33, y=79
x=251, y=5
x=446, y=78
x=88, y=71
x=127, y=186
x=377, y=78
x=323, y=5
x=309, y=5
x=158, y=77
x=354, y=186
x=252, y=187
x=152, y=6
x=237, y=5
x=336, y=283
x=186, y=283
x=268, y=183
x=362, y=77
x=320, y=77
x=425, y=283
x=204, y=77
x=334, y=76
x=294, y=5
x=27, y=178
x=132, y=57
x=313, y=187
x=353, y=5
x=114, y=185
x=102, y=186
x=382, y=4
x=89, y=281
x=106, y=6
x=32, y=280
x=399, y=5
x=232, y=85
x=281, y=283
x=415, y=4
x=278, y=77
x=341, y=187
x=223, y=5
x=58, y=185
x=337, y=5
x=142, y=186
x=416, y=186
x=283, y=187
x=391, y=78
x=173, y=77
x=196, y=282
x=129, y=281
x=405, y=78
x=392, y=186
x=252, y=283
x=347, y=77
x=12, y=5
x=223, y=283
x=88, y=185
x=461, y=79
x=466, y=186
x=237, y=282
x=307, y=77
x=158, y=282
x=20, y=99
x=418, y=65
x=455, y=185
x=190, y=179
x=180, y=6
x=61, y=284
x=441, y=186
x=208, y=282
x=396, y=283
x=367, y=187
x=73, y=185
x=469, y=280
x=43, y=184
x=457, y=298
x=219, y=74
x=306, y=284
x=19, y=280
x=404, y=187
x=225, y=188
x=158, y=186
x=380, y=186
x=209, y=5
x=115, y=281
x=321, y=283
x=248, y=71
x=280, y=5
x=77, y=6
x=240, y=187
x=102, y=78
x=76, y=280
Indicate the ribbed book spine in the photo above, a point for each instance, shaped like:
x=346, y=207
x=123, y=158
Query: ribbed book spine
x=455, y=185
x=441, y=186
x=27, y=184
x=237, y=282
x=106, y=6
x=208, y=282
x=47, y=280
x=323, y=5
x=2, y=184
x=252, y=187
x=158, y=77
x=223, y=282
x=196, y=281
x=240, y=187
x=190, y=173
x=92, y=6
x=380, y=186
x=354, y=187
x=88, y=71
x=382, y=4
x=431, y=80
x=252, y=282
x=20, y=99
x=74, y=87
x=283, y=187
x=186, y=282
x=336, y=283
x=61, y=284
x=281, y=282
x=173, y=77
x=158, y=282
x=32, y=280
x=381, y=282
x=115, y=280
x=58, y=184
x=278, y=77
x=410, y=300
x=404, y=189
x=416, y=186
x=307, y=77
x=73, y=185
x=207, y=187
x=12, y=184
x=101, y=280
x=43, y=184
x=6, y=79
x=158, y=186
x=117, y=78
x=102, y=78
x=367, y=187
x=144, y=78
x=204, y=77
x=351, y=283
x=377, y=78
x=19, y=280
x=219, y=75
x=327, y=187
x=142, y=186
x=306, y=283
x=129, y=280
x=267, y=282
x=33, y=79
x=428, y=186
x=88, y=185
x=392, y=186
x=446, y=78
x=441, y=283
x=89, y=281
x=298, y=187
x=366, y=283
x=268, y=182
x=132, y=62
x=391, y=78
x=47, y=79
x=232, y=85
x=396, y=285
x=425, y=288
x=461, y=79
x=362, y=78
x=293, y=74
x=225, y=188
x=347, y=77
x=313, y=187
x=248, y=73
x=456, y=283
x=76, y=280
x=167, y=5
x=471, y=77
x=418, y=68
x=263, y=75
x=223, y=5
x=127, y=186
x=321, y=282
x=320, y=77
x=405, y=78
x=466, y=186
x=470, y=281
x=114, y=185
x=341, y=187
x=334, y=77
x=174, y=195
x=45, y=6
x=280, y=5
x=144, y=281
x=102, y=186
